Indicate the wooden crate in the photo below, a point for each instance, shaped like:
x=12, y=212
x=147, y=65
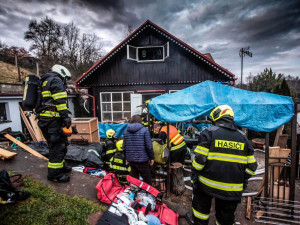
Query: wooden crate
x=93, y=137
x=85, y=125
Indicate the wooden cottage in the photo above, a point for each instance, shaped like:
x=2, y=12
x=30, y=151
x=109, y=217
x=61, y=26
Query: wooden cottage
x=148, y=63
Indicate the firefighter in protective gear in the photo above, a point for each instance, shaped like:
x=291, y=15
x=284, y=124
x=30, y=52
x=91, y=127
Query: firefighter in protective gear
x=53, y=116
x=147, y=119
x=118, y=163
x=177, y=143
x=223, y=163
x=109, y=147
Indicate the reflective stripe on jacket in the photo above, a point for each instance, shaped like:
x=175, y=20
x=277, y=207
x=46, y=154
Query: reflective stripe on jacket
x=54, y=95
x=118, y=164
x=174, y=136
x=224, y=160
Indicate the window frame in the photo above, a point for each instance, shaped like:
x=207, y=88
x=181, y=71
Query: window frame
x=6, y=111
x=165, y=53
x=111, y=104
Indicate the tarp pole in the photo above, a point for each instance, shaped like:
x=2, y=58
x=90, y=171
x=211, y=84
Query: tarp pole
x=266, y=189
x=293, y=155
x=168, y=163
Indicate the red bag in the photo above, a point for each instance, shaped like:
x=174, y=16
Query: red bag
x=108, y=188
x=166, y=215
x=144, y=186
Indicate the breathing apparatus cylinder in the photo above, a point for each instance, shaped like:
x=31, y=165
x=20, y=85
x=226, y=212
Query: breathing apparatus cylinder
x=30, y=95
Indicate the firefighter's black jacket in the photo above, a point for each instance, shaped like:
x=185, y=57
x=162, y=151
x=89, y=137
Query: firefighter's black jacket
x=224, y=161
x=119, y=167
x=110, y=149
x=54, y=96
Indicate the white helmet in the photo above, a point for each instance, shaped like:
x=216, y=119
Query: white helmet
x=62, y=71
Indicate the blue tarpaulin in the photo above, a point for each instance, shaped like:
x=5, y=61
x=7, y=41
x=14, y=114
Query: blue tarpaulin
x=259, y=111
x=119, y=128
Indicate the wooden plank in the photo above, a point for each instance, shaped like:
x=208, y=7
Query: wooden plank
x=281, y=153
x=37, y=130
x=261, y=188
x=27, y=124
x=22, y=145
x=278, y=133
x=4, y=154
x=282, y=140
x=260, y=214
x=248, y=210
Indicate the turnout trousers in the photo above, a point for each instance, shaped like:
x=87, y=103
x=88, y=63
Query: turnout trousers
x=201, y=209
x=142, y=169
x=57, y=143
x=178, y=155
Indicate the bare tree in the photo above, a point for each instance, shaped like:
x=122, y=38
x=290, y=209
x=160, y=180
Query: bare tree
x=64, y=44
x=90, y=50
x=128, y=29
x=11, y=53
x=46, y=41
x=71, y=40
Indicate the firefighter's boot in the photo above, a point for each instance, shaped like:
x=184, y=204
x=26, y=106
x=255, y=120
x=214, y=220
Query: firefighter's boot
x=62, y=178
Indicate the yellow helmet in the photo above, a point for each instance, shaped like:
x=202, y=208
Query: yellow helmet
x=110, y=133
x=119, y=145
x=222, y=111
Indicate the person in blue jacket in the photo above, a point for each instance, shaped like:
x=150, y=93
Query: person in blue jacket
x=138, y=150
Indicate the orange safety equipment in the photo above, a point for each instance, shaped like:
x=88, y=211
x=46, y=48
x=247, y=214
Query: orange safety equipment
x=174, y=135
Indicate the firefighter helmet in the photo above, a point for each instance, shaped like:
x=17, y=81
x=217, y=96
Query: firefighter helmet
x=110, y=133
x=222, y=111
x=62, y=71
x=119, y=145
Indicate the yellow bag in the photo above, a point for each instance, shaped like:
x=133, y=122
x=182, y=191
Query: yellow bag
x=159, y=155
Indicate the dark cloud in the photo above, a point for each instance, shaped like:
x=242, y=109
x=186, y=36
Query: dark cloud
x=270, y=27
x=3, y=12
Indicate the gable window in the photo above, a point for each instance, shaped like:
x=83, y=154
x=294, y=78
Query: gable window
x=115, y=106
x=148, y=53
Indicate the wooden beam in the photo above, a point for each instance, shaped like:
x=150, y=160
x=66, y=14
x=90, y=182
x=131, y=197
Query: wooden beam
x=4, y=154
x=37, y=130
x=248, y=210
x=27, y=148
x=278, y=133
x=27, y=124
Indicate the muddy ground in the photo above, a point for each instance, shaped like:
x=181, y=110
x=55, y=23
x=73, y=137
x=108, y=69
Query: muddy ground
x=84, y=185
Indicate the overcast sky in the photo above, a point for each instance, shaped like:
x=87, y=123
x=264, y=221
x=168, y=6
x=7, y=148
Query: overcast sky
x=270, y=28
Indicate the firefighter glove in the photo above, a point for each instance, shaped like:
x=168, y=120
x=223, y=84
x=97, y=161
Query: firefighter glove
x=67, y=122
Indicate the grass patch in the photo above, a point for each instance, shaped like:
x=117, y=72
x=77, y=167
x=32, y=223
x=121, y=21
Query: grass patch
x=45, y=206
x=9, y=73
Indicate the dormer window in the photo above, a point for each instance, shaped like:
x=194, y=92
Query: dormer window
x=148, y=53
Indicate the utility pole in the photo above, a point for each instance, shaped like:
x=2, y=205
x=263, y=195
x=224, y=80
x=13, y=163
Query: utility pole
x=242, y=53
x=37, y=67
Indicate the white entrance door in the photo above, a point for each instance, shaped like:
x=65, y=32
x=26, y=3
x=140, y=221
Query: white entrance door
x=136, y=100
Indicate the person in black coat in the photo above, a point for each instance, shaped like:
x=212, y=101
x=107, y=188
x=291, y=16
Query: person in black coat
x=224, y=161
